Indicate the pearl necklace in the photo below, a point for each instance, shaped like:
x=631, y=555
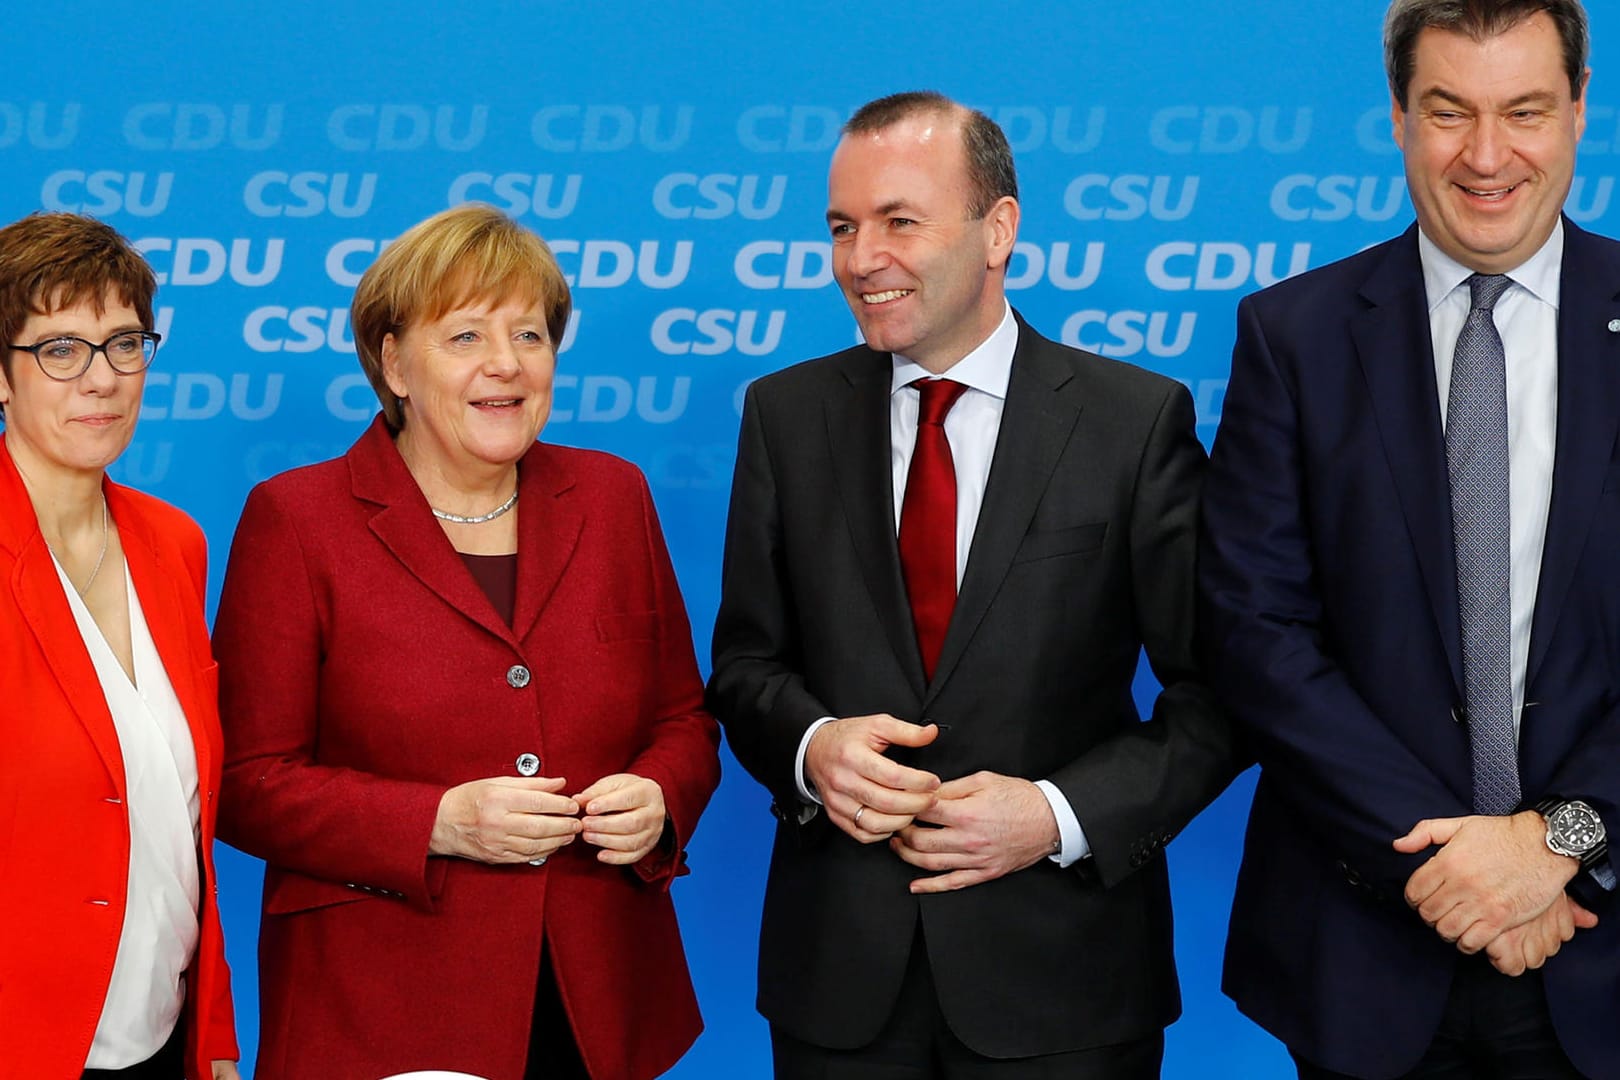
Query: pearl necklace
x=458, y=519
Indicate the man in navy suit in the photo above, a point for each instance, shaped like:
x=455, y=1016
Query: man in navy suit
x=1410, y=583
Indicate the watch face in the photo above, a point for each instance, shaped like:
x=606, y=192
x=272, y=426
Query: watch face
x=1576, y=827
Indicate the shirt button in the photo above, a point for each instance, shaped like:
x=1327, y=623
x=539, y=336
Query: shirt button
x=528, y=765
x=517, y=676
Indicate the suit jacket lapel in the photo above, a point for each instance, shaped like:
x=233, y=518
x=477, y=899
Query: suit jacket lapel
x=45, y=611
x=857, y=419
x=1393, y=343
x=1588, y=401
x=168, y=614
x=1037, y=420
x=406, y=527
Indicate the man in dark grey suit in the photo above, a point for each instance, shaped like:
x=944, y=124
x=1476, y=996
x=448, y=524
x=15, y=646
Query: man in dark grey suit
x=946, y=551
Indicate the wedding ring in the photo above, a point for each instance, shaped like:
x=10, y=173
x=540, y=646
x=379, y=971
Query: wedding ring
x=858, y=814
x=541, y=861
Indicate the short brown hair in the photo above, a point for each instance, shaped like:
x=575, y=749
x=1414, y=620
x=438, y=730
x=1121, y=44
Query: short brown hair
x=991, y=174
x=53, y=261
x=467, y=253
x=1480, y=20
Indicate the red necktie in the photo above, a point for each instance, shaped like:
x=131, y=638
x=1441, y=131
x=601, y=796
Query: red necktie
x=928, y=521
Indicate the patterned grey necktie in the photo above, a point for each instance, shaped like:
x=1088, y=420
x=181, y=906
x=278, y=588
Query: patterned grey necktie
x=1477, y=461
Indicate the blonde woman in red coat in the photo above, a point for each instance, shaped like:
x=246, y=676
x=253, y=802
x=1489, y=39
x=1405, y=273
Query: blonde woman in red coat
x=111, y=959
x=465, y=722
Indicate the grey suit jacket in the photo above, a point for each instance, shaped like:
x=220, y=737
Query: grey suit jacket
x=1082, y=555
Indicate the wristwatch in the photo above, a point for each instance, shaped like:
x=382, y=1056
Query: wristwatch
x=1574, y=829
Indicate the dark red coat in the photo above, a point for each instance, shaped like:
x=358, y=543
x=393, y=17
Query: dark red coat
x=363, y=673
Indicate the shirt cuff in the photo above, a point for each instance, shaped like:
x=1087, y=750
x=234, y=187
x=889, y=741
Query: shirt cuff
x=800, y=781
x=1603, y=874
x=1072, y=843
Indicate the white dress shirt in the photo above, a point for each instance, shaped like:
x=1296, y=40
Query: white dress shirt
x=159, y=934
x=971, y=428
x=1527, y=318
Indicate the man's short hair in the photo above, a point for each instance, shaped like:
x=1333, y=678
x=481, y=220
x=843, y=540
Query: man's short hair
x=1479, y=20
x=989, y=159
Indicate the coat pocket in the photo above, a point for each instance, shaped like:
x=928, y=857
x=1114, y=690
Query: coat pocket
x=1057, y=542
x=289, y=893
x=627, y=626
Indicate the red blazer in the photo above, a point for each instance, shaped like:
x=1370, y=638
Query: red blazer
x=363, y=674
x=64, y=824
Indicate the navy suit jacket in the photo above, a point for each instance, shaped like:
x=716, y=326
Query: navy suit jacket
x=1329, y=605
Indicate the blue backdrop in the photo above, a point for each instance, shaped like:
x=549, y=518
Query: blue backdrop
x=1173, y=156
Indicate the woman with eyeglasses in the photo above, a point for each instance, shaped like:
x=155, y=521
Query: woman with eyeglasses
x=111, y=959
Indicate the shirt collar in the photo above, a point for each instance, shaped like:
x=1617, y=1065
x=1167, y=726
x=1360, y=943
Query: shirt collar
x=1540, y=273
x=986, y=368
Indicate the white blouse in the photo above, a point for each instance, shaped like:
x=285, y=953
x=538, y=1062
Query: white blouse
x=159, y=933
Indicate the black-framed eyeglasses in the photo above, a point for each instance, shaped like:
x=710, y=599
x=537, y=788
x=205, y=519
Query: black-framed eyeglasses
x=64, y=359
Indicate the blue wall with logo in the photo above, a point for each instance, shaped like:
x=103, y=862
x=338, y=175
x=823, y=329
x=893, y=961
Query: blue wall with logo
x=1173, y=157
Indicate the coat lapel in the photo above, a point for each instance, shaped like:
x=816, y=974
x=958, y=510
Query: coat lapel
x=405, y=525
x=549, y=526
x=1396, y=351
x=1037, y=420
x=857, y=418
x=1588, y=403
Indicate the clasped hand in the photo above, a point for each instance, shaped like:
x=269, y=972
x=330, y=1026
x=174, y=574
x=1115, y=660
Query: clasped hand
x=968, y=831
x=506, y=820
x=1495, y=886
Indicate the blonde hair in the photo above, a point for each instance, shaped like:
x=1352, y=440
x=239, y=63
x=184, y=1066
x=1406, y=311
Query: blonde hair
x=463, y=255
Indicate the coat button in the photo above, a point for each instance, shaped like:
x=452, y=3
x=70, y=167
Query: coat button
x=517, y=676
x=528, y=765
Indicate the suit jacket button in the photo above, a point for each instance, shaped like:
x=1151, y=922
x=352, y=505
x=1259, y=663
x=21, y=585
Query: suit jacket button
x=517, y=676
x=528, y=765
